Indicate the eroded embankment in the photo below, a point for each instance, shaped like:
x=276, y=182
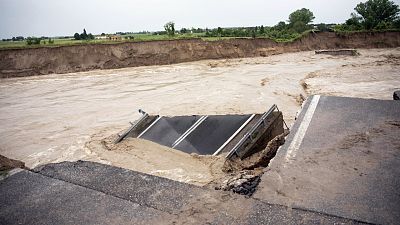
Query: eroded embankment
x=37, y=61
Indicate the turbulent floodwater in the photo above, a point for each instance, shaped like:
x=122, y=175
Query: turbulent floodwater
x=50, y=118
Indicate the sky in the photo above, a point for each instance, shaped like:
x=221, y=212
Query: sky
x=64, y=18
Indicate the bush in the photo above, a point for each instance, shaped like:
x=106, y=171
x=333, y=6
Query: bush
x=33, y=41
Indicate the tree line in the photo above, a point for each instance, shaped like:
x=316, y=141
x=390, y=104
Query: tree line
x=371, y=15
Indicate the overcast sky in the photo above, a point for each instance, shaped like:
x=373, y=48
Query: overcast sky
x=58, y=18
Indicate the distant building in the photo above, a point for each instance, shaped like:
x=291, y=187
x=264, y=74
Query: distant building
x=101, y=37
x=115, y=37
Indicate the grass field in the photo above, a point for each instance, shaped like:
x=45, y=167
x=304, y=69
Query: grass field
x=137, y=38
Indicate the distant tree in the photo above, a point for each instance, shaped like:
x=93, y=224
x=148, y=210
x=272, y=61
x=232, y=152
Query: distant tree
x=170, y=28
x=299, y=19
x=90, y=36
x=77, y=36
x=84, y=35
x=280, y=26
x=51, y=41
x=254, y=32
x=374, y=14
x=396, y=24
x=303, y=15
x=262, y=30
x=183, y=31
x=219, y=31
x=354, y=22
x=103, y=34
x=33, y=40
x=322, y=27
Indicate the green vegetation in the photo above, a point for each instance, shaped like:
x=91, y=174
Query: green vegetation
x=371, y=15
x=170, y=28
x=33, y=41
x=83, y=36
x=299, y=23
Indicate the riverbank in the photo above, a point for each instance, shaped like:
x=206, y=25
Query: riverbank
x=78, y=58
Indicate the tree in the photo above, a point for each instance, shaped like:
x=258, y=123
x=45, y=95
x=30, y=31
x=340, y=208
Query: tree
x=322, y=27
x=90, y=36
x=170, y=28
x=84, y=35
x=262, y=30
x=354, y=22
x=77, y=36
x=183, y=31
x=299, y=19
x=219, y=31
x=280, y=26
x=33, y=41
x=303, y=15
x=376, y=13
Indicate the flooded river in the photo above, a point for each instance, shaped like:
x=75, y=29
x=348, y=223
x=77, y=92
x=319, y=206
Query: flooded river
x=50, y=118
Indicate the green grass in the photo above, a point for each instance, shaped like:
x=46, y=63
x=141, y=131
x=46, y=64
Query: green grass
x=137, y=38
x=70, y=41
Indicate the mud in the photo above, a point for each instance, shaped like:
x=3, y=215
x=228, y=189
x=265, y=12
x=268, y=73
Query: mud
x=67, y=59
x=62, y=117
x=7, y=164
x=257, y=160
x=151, y=158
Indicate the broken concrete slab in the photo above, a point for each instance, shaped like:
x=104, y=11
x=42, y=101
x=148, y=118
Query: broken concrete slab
x=342, y=158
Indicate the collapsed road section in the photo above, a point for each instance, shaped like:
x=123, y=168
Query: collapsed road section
x=340, y=164
x=342, y=157
x=239, y=135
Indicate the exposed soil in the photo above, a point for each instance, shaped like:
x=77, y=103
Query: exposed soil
x=67, y=59
x=257, y=160
x=7, y=164
x=151, y=158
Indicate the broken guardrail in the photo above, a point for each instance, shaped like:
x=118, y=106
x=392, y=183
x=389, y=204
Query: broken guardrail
x=238, y=135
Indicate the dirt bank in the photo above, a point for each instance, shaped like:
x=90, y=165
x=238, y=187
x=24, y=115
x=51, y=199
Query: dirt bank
x=7, y=164
x=66, y=59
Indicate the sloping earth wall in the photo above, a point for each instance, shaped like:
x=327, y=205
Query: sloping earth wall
x=65, y=59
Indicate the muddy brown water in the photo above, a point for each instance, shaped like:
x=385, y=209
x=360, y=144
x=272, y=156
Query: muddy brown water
x=51, y=118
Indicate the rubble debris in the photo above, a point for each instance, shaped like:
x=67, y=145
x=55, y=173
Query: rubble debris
x=260, y=159
x=351, y=52
x=396, y=95
x=245, y=175
x=244, y=183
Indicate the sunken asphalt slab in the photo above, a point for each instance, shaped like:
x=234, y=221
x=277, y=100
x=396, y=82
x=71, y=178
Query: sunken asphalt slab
x=91, y=193
x=346, y=162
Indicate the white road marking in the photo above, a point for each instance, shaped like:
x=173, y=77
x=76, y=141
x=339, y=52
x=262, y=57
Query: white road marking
x=149, y=127
x=234, y=135
x=190, y=130
x=301, y=131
